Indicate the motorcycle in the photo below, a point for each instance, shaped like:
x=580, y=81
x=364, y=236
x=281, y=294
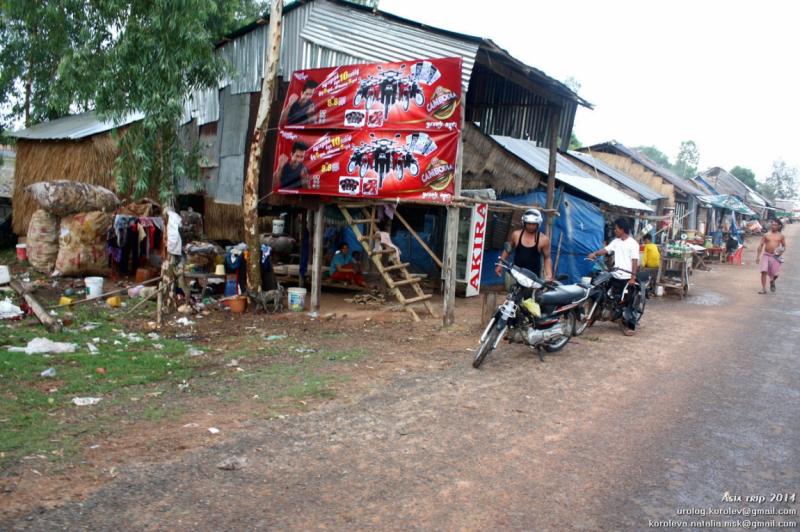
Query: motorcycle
x=607, y=304
x=358, y=158
x=538, y=314
x=388, y=86
x=366, y=92
x=403, y=158
x=410, y=90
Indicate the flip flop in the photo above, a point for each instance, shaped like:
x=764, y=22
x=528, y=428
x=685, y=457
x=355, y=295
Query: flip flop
x=772, y=286
x=762, y=291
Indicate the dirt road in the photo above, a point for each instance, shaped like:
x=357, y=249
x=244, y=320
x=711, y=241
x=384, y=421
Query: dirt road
x=611, y=433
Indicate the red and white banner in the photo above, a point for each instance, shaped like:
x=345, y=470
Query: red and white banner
x=477, y=240
x=380, y=131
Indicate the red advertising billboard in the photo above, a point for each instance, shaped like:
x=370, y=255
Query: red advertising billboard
x=379, y=131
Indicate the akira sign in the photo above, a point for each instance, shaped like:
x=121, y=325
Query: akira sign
x=377, y=131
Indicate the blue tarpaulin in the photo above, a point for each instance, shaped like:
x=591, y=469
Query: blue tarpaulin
x=579, y=221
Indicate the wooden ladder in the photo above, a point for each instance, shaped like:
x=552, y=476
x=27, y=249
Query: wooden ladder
x=368, y=216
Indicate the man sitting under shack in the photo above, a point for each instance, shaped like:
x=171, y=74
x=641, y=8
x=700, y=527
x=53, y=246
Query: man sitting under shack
x=344, y=268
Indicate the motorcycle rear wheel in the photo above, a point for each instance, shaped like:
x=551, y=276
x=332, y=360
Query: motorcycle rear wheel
x=568, y=325
x=487, y=345
x=357, y=99
x=419, y=99
x=362, y=170
x=413, y=168
x=351, y=166
x=405, y=102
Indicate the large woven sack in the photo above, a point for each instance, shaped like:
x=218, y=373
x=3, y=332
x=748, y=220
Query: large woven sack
x=42, y=240
x=82, y=244
x=63, y=198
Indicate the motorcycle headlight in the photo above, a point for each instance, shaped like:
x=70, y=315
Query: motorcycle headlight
x=523, y=281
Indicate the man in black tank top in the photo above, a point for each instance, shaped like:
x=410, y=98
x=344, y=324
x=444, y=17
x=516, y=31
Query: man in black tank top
x=531, y=248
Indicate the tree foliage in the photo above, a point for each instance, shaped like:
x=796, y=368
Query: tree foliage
x=687, y=160
x=782, y=183
x=655, y=155
x=34, y=36
x=745, y=175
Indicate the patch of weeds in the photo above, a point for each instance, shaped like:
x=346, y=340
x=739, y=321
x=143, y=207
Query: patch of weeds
x=590, y=338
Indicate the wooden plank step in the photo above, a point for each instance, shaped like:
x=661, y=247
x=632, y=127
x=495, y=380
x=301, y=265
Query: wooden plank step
x=396, y=267
x=405, y=281
x=360, y=221
x=416, y=299
x=382, y=252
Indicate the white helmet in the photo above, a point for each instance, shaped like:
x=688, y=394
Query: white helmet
x=532, y=216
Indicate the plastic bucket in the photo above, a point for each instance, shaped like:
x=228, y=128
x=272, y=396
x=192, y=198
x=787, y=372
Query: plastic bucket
x=297, y=299
x=5, y=275
x=94, y=286
x=659, y=291
x=22, y=252
x=277, y=226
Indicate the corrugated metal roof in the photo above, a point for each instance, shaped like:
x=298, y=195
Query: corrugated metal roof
x=726, y=183
x=567, y=172
x=72, y=127
x=623, y=179
x=373, y=38
x=684, y=185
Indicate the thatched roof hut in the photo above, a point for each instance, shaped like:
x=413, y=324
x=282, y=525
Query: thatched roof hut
x=75, y=148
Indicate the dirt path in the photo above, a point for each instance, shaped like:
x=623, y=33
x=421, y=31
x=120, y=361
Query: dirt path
x=610, y=433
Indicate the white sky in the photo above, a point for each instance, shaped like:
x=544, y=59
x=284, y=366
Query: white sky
x=722, y=73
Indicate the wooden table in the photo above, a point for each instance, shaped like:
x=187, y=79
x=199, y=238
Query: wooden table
x=699, y=261
x=681, y=265
x=716, y=251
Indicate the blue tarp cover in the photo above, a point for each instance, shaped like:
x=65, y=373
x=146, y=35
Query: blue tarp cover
x=579, y=221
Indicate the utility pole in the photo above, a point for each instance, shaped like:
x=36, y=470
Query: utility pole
x=250, y=197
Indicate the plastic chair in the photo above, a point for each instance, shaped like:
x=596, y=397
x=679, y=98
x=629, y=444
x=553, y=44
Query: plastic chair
x=736, y=256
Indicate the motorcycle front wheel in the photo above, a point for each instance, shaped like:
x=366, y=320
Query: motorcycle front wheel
x=567, y=324
x=413, y=168
x=405, y=101
x=351, y=166
x=357, y=99
x=362, y=170
x=419, y=99
x=487, y=345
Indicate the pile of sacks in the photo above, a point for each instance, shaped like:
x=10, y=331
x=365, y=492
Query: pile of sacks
x=68, y=234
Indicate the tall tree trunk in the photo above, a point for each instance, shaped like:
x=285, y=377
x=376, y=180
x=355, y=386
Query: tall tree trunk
x=250, y=198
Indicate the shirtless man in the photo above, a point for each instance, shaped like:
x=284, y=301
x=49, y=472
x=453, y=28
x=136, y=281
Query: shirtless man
x=773, y=244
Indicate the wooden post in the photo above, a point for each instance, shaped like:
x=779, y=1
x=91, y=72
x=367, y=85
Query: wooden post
x=316, y=268
x=250, y=197
x=489, y=306
x=555, y=119
x=50, y=323
x=422, y=243
x=451, y=238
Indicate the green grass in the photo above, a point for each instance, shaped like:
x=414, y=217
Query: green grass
x=141, y=381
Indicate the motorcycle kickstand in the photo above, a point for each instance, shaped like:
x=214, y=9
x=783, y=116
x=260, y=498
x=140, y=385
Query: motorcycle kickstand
x=540, y=353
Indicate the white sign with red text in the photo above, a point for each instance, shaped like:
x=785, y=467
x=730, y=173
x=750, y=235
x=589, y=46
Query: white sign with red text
x=477, y=234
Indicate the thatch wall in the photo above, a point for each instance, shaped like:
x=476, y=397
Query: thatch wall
x=88, y=161
x=222, y=221
x=489, y=165
x=639, y=173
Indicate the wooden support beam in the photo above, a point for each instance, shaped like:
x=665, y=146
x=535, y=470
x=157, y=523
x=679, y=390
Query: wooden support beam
x=316, y=268
x=51, y=324
x=555, y=116
x=422, y=243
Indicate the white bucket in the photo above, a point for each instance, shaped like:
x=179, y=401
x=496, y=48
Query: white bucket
x=586, y=280
x=5, y=275
x=297, y=299
x=659, y=290
x=94, y=286
x=277, y=226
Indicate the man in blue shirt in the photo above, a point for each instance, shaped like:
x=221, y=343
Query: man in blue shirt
x=343, y=268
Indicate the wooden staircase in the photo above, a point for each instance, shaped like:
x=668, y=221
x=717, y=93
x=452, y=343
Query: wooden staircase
x=371, y=242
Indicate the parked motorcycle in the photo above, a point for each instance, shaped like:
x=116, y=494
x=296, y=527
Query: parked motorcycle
x=538, y=314
x=607, y=304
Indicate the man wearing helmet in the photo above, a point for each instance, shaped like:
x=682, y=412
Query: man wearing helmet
x=531, y=248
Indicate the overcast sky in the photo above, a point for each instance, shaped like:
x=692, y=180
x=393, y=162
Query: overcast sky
x=725, y=74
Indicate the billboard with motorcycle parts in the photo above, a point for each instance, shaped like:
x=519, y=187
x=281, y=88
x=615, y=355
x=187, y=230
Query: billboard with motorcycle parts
x=422, y=94
x=373, y=130
x=369, y=164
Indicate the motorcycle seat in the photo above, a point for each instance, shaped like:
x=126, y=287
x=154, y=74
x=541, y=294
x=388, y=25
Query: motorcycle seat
x=562, y=295
x=643, y=278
